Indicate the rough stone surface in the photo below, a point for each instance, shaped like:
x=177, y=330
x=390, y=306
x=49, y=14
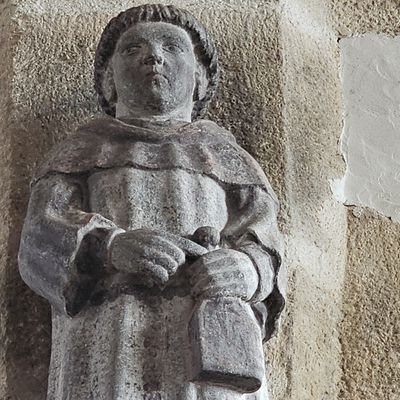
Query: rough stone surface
x=20, y=350
x=316, y=247
x=5, y=109
x=352, y=17
x=370, y=333
x=53, y=98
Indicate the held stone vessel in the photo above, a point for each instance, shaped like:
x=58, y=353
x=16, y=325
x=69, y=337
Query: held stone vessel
x=152, y=234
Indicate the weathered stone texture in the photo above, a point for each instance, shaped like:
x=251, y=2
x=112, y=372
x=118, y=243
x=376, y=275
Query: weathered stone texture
x=371, y=327
x=352, y=17
x=52, y=93
x=5, y=107
x=317, y=224
x=280, y=95
x=26, y=338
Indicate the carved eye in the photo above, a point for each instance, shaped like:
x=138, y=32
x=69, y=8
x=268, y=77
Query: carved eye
x=172, y=48
x=131, y=50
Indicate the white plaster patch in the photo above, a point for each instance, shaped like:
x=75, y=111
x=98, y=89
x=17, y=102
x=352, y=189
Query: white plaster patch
x=370, y=142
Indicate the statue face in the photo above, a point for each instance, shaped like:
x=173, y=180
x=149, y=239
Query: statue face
x=154, y=68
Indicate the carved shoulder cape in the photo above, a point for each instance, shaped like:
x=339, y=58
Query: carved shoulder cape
x=201, y=147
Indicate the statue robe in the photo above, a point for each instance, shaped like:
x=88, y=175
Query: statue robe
x=113, y=338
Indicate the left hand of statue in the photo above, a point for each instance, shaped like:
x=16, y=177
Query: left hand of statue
x=223, y=272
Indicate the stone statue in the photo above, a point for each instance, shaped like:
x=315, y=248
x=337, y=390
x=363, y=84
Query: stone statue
x=152, y=233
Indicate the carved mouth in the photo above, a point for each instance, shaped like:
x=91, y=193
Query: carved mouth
x=154, y=74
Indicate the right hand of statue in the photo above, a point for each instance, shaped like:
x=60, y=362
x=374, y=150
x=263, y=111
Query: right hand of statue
x=149, y=254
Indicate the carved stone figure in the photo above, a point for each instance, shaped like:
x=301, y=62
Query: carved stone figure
x=152, y=233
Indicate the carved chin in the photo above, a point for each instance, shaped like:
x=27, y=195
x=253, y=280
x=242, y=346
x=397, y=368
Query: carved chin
x=160, y=100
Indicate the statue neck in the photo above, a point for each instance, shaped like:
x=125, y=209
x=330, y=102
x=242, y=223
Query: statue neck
x=153, y=123
x=183, y=114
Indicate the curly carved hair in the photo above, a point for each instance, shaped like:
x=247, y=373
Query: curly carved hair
x=204, y=49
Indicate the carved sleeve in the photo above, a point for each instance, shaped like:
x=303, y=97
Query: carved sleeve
x=63, y=247
x=252, y=228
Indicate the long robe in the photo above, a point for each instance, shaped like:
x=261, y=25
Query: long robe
x=113, y=338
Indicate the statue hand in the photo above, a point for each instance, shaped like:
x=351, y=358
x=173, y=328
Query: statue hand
x=223, y=272
x=149, y=254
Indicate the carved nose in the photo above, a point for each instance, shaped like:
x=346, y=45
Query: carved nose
x=154, y=58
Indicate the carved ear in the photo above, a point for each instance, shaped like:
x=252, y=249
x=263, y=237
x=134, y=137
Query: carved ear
x=110, y=93
x=200, y=90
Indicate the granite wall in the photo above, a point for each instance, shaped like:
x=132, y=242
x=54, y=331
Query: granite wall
x=281, y=96
x=370, y=331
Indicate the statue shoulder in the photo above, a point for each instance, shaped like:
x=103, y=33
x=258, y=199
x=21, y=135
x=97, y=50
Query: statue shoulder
x=212, y=127
x=233, y=164
x=75, y=153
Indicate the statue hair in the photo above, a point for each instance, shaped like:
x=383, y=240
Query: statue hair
x=205, y=51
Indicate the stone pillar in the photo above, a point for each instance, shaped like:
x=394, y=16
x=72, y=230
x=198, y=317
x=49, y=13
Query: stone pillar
x=316, y=223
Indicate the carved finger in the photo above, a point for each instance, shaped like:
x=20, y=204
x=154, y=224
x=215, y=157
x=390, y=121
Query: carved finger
x=206, y=267
x=214, y=288
x=160, y=243
x=190, y=248
x=162, y=259
x=198, y=288
x=202, y=273
x=219, y=258
x=154, y=272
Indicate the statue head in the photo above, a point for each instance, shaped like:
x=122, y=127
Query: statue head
x=155, y=60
